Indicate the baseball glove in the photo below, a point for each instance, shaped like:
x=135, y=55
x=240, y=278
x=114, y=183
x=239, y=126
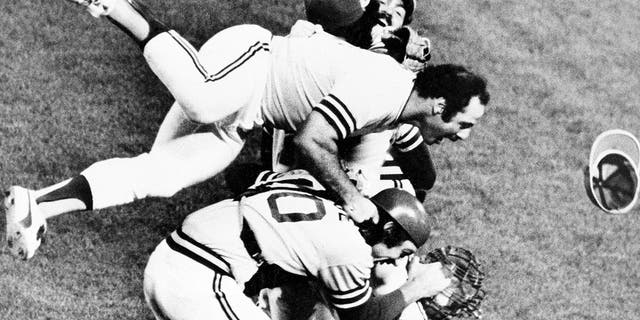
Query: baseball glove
x=417, y=51
x=406, y=46
x=463, y=297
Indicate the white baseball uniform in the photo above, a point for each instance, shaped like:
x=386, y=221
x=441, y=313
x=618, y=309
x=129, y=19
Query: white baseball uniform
x=369, y=164
x=366, y=158
x=198, y=271
x=245, y=77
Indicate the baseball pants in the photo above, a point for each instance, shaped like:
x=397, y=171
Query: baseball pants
x=178, y=287
x=221, y=85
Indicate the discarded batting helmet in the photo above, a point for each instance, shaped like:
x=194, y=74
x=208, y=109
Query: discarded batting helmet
x=611, y=178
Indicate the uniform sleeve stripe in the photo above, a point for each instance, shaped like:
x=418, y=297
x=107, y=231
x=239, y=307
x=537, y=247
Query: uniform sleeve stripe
x=339, y=128
x=333, y=109
x=351, y=302
x=339, y=113
x=347, y=113
x=409, y=141
x=392, y=177
x=407, y=134
x=410, y=145
x=350, y=292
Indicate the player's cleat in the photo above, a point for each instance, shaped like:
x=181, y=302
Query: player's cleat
x=96, y=8
x=26, y=225
x=99, y=8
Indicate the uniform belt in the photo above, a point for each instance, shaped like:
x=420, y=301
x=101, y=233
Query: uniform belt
x=182, y=243
x=250, y=243
x=268, y=275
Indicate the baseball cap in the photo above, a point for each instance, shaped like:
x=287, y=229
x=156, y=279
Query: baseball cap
x=612, y=176
x=334, y=13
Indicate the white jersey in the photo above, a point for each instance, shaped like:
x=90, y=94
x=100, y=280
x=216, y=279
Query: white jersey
x=368, y=162
x=296, y=228
x=357, y=91
x=366, y=159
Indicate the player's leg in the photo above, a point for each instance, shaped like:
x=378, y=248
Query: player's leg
x=176, y=124
x=166, y=170
x=178, y=287
x=229, y=70
x=228, y=73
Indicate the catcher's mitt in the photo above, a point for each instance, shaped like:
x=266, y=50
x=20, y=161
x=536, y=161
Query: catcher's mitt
x=463, y=297
x=405, y=45
x=417, y=51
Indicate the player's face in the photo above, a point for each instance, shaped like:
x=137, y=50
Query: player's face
x=392, y=13
x=385, y=254
x=434, y=129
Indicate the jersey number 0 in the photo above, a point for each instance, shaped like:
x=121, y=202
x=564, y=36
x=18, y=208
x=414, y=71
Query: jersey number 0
x=295, y=207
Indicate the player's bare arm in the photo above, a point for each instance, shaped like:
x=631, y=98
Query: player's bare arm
x=317, y=143
x=426, y=280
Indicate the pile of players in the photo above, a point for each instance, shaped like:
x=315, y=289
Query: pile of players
x=348, y=103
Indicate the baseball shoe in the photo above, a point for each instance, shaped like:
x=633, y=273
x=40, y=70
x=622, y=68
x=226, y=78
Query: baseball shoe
x=26, y=225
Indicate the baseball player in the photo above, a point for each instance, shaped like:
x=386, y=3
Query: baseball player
x=245, y=77
x=367, y=161
x=278, y=231
x=362, y=155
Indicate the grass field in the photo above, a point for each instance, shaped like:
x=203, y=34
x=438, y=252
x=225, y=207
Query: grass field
x=74, y=90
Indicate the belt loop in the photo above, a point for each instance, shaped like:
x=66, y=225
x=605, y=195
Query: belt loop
x=250, y=243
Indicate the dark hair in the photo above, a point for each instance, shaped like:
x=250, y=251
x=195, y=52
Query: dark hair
x=454, y=83
x=359, y=32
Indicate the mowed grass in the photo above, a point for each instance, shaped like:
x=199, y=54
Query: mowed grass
x=74, y=91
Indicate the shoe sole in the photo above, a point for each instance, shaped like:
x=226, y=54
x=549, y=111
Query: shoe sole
x=16, y=241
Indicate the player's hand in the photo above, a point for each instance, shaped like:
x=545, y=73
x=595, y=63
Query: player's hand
x=429, y=278
x=361, y=209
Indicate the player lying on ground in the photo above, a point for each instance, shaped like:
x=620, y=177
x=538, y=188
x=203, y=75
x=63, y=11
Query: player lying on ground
x=299, y=301
x=245, y=77
x=285, y=227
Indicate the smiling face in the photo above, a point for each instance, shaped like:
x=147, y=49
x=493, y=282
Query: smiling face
x=392, y=13
x=434, y=129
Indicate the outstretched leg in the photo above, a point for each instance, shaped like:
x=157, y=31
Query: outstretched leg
x=226, y=74
x=165, y=170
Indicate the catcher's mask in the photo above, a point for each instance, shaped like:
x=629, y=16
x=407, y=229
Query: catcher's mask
x=611, y=178
x=463, y=297
x=407, y=211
